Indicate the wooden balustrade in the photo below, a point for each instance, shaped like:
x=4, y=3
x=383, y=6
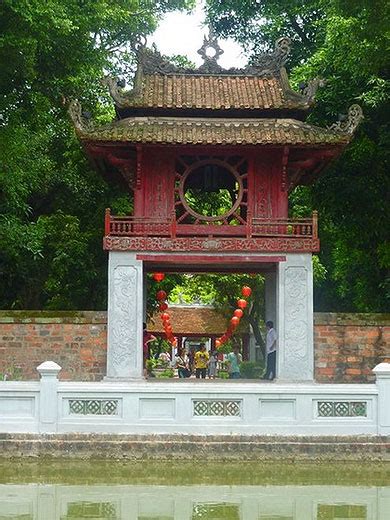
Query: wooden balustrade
x=256, y=227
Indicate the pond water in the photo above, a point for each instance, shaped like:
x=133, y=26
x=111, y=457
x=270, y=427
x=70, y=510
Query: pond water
x=193, y=491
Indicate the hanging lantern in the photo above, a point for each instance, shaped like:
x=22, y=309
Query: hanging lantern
x=161, y=295
x=165, y=316
x=242, y=303
x=235, y=321
x=159, y=277
x=217, y=343
x=239, y=313
x=163, y=306
x=246, y=291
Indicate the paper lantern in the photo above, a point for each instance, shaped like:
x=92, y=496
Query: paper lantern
x=159, y=277
x=242, y=303
x=235, y=321
x=165, y=316
x=161, y=295
x=239, y=313
x=163, y=306
x=246, y=291
x=217, y=343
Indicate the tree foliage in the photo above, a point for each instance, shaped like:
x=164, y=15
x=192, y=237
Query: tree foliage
x=51, y=202
x=346, y=43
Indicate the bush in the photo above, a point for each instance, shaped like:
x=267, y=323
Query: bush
x=251, y=370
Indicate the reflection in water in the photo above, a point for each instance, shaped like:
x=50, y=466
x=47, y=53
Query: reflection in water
x=207, y=502
x=151, y=491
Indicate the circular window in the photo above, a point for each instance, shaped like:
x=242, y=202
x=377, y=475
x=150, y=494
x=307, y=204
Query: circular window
x=210, y=190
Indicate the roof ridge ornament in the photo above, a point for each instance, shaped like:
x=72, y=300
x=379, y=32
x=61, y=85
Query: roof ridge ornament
x=270, y=63
x=81, y=120
x=210, y=64
x=349, y=123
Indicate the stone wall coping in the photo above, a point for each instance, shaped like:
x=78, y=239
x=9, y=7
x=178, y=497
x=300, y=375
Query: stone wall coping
x=100, y=317
x=353, y=319
x=60, y=317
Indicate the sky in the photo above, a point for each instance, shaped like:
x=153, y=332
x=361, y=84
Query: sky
x=180, y=33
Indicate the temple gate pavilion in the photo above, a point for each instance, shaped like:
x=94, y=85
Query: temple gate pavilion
x=209, y=156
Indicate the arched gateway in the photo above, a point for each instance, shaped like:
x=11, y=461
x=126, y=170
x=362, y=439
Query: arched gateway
x=185, y=140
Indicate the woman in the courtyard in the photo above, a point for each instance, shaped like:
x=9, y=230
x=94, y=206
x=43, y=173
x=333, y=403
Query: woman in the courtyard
x=234, y=360
x=270, y=346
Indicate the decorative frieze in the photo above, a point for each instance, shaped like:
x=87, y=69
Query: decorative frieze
x=93, y=406
x=217, y=408
x=274, y=245
x=342, y=408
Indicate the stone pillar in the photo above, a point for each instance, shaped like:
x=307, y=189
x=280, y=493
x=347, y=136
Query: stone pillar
x=382, y=372
x=270, y=297
x=48, y=399
x=294, y=324
x=125, y=317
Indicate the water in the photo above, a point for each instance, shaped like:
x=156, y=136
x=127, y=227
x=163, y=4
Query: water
x=193, y=491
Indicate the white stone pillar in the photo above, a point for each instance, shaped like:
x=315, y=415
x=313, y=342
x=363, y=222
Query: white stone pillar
x=125, y=317
x=270, y=297
x=382, y=372
x=48, y=399
x=294, y=324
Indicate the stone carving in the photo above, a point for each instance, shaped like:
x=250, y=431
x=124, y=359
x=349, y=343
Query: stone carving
x=116, y=92
x=296, y=309
x=93, y=406
x=123, y=345
x=269, y=64
x=351, y=122
x=210, y=65
x=274, y=245
x=220, y=408
x=80, y=121
x=310, y=90
x=342, y=408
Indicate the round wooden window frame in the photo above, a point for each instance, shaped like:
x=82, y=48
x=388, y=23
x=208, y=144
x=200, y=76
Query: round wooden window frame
x=227, y=167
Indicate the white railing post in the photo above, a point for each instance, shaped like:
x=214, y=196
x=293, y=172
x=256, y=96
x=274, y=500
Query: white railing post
x=48, y=399
x=382, y=372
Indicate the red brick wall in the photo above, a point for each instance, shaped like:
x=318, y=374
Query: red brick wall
x=347, y=346
x=75, y=340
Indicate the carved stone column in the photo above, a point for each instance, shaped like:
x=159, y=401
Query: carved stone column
x=125, y=317
x=295, y=319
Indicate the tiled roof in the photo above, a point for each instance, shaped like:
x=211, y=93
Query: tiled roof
x=213, y=131
x=212, y=92
x=191, y=320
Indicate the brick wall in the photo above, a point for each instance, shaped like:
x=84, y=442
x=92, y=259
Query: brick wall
x=75, y=340
x=347, y=346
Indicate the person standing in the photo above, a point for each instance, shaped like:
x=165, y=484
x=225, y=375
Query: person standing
x=270, y=347
x=234, y=360
x=201, y=362
x=213, y=365
x=147, y=338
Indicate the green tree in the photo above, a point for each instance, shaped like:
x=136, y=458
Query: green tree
x=51, y=201
x=346, y=43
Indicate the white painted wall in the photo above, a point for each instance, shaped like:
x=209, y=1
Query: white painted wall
x=195, y=407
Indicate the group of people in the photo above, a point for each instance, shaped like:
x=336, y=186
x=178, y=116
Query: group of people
x=205, y=363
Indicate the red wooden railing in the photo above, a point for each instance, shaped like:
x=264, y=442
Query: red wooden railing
x=257, y=227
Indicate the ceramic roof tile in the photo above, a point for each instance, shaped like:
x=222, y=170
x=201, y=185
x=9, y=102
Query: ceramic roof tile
x=210, y=131
x=211, y=92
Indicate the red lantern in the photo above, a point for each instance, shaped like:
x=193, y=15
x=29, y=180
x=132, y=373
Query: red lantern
x=217, y=343
x=246, y=291
x=239, y=313
x=165, y=316
x=163, y=306
x=235, y=321
x=159, y=277
x=161, y=295
x=242, y=303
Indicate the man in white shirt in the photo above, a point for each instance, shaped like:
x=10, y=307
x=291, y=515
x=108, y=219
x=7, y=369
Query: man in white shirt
x=270, y=347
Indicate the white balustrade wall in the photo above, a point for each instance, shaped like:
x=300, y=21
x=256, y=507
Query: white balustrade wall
x=195, y=407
